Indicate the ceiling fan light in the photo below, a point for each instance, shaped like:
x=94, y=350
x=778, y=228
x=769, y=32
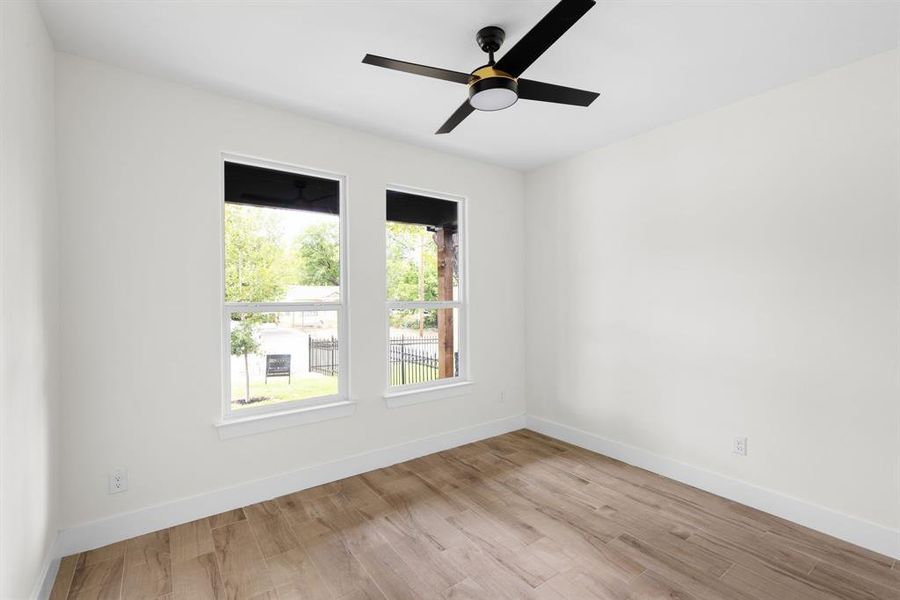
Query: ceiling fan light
x=493, y=93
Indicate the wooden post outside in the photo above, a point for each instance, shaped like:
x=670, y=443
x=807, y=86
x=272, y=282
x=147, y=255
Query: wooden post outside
x=421, y=282
x=444, y=240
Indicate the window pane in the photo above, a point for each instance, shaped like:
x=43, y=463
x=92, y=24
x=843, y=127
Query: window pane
x=422, y=240
x=424, y=345
x=279, y=357
x=281, y=255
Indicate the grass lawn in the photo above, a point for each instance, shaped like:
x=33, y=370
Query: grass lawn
x=278, y=389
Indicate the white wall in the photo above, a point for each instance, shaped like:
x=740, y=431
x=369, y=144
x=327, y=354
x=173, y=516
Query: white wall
x=28, y=300
x=736, y=273
x=139, y=179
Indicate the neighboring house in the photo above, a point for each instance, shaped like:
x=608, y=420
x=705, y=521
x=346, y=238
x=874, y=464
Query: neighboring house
x=311, y=293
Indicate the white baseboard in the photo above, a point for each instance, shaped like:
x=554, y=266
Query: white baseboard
x=851, y=529
x=48, y=576
x=127, y=525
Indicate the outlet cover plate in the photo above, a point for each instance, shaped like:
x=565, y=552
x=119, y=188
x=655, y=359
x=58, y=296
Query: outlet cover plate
x=118, y=480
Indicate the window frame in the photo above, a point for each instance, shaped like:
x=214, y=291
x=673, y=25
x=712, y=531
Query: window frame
x=461, y=303
x=340, y=307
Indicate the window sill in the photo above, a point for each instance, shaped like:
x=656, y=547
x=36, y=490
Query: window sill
x=237, y=427
x=400, y=398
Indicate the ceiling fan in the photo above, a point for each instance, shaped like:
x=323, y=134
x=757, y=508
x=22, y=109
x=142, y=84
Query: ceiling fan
x=497, y=85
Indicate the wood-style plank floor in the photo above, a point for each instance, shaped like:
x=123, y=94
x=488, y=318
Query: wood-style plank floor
x=516, y=516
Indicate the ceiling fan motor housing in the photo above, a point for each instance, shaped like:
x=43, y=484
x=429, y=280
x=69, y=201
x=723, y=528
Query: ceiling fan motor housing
x=492, y=89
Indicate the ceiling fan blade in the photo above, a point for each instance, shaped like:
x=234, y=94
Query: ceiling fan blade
x=416, y=69
x=465, y=109
x=548, y=92
x=543, y=35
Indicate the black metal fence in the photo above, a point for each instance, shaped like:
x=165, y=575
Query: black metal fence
x=323, y=355
x=413, y=359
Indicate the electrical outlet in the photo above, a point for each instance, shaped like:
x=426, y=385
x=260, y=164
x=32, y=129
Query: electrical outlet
x=118, y=480
x=740, y=446
x=502, y=397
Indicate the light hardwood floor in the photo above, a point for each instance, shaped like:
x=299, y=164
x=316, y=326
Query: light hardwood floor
x=516, y=516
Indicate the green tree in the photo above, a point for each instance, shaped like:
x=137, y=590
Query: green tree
x=243, y=342
x=254, y=259
x=411, y=272
x=317, y=255
x=253, y=255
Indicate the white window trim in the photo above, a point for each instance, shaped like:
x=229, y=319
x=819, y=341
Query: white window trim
x=286, y=418
x=414, y=393
x=250, y=420
x=453, y=388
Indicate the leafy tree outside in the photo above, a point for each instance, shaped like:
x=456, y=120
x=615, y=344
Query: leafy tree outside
x=253, y=259
x=243, y=342
x=412, y=272
x=253, y=255
x=317, y=255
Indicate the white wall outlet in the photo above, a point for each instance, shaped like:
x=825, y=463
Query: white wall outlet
x=118, y=480
x=740, y=446
x=502, y=397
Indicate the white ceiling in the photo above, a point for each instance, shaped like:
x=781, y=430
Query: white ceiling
x=653, y=62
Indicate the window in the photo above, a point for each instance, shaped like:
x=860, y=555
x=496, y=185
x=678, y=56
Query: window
x=426, y=306
x=284, y=329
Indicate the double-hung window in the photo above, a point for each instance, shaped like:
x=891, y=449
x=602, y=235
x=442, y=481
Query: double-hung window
x=426, y=300
x=284, y=325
